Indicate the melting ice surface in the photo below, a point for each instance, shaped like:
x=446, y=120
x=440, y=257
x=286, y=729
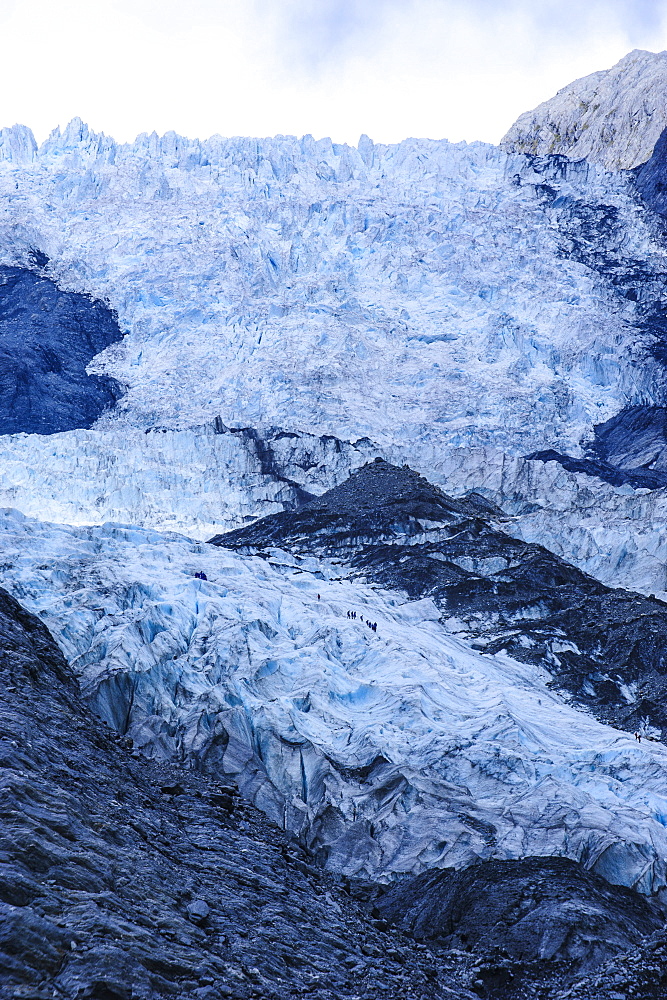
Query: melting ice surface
x=389, y=751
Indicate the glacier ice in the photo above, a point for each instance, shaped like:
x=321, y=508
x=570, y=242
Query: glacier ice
x=290, y=310
x=387, y=752
x=318, y=287
x=415, y=301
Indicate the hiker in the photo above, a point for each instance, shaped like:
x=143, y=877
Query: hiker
x=638, y=737
x=318, y=597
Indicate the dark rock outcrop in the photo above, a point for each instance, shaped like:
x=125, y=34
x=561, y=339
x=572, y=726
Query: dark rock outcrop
x=47, y=337
x=391, y=526
x=634, y=439
x=533, y=909
x=124, y=880
x=631, y=447
x=608, y=473
x=651, y=177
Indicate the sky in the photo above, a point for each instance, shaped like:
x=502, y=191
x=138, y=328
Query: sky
x=454, y=69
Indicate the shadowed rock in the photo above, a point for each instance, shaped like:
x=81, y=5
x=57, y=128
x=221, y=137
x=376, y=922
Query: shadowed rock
x=47, y=337
x=532, y=909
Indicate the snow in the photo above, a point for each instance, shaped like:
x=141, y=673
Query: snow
x=392, y=750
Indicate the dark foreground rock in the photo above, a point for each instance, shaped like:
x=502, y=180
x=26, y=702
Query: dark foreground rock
x=391, y=526
x=47, y=337
x=120, y=879
x=533, y=909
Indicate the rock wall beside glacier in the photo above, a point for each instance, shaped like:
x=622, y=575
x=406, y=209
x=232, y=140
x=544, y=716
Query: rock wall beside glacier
x=47, y=337
x=613, y=117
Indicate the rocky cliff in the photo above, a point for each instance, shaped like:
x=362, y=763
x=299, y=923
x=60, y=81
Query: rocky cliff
x=613, y=117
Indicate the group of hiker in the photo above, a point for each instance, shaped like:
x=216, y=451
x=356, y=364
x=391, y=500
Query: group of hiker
x=200, y=575
x=373, y=626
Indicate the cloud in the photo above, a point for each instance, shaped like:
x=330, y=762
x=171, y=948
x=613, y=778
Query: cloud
x=312, y=34
x=460, y=69
x=315, y=33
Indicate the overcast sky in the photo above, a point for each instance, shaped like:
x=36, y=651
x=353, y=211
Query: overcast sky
x=455, y=69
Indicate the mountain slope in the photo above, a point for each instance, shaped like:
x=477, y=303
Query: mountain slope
x=125, y=879
x=613, y=117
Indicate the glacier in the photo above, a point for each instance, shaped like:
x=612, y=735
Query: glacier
x=318, y=285
x=386, y=752
x=290, y=311
x=420, y=301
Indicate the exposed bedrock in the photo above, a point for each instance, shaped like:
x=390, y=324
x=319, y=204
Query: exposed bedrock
x=123, y=879
x=533, y=909
x=651, y=177
x=630, y=447
x=392, y=527
x=612, y=117
x=47, y=337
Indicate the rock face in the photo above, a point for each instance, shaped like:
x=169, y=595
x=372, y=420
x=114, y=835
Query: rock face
x=535, y=908
x=47, y=337
x=629, y=448
x=651, y=178
x=613, y=117
x=125, y=880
